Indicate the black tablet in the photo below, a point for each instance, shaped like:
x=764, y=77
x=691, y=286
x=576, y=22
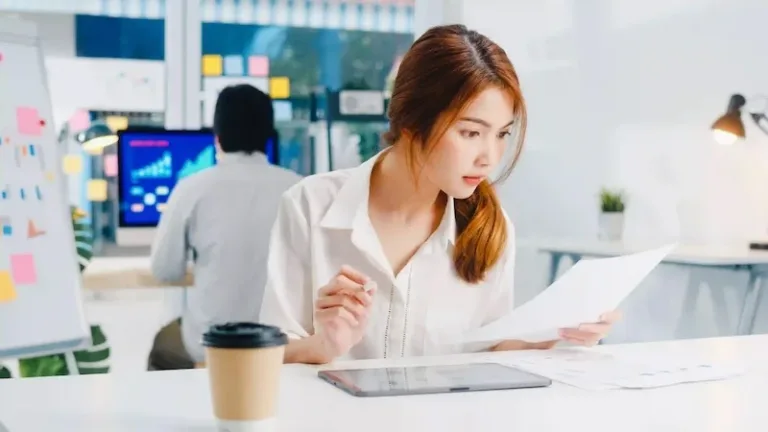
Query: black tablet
x=431, y=379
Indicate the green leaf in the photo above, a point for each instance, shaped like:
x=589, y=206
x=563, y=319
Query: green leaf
x=611, y=201
x=49, y=365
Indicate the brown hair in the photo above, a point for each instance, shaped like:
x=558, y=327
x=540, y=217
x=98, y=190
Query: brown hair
x=444, y=70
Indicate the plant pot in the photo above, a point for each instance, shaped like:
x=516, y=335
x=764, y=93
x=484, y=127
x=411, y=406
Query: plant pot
x=611, y=226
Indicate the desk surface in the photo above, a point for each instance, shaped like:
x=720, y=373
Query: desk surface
x=179, y=401
x=125, y=272
x=684, y=254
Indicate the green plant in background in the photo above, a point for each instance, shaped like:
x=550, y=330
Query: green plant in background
x=611, y=201
x=89, y=361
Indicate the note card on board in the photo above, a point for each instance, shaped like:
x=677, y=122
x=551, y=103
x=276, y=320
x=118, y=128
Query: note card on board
x=280, y=87
x=28, y=121
x=258, y=66
x=96, y=190
x=79, y=121
x=212, y=65
x=233, y=65
x=23, y=269
x=110, y=165
x=116, y=123
x=73, y=164
x=7, y=289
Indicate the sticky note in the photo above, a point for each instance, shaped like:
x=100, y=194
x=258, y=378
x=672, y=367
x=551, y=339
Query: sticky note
x=79, y=121
x=28, y=121
x=110, y=165
x=5, y=222
x=280, y=87
x=233, y=65
x=7, y=288
x=50, y=176
x=33, y=230
x=212, y=65
x=283, y=110
x=96, y=190
x=73, y=164
x=23, y=269
x=116, y=123
x=258, y=66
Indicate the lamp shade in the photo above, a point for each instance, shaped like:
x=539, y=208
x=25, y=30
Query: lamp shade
x=96, y=137
x=729, y=127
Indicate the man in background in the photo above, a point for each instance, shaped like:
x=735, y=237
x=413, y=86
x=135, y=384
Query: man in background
x=221, y=219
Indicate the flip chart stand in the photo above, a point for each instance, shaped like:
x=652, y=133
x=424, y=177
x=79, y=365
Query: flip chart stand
x=69, y=357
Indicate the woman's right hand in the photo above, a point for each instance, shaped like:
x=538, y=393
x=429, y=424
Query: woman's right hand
x=341, y=312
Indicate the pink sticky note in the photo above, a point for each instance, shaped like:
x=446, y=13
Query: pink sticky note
x=258, y=66
x=110, y=165
x=79, y=121
x=23, y=269
x=29, y=121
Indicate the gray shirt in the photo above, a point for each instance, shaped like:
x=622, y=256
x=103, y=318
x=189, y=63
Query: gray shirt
x=222, y=217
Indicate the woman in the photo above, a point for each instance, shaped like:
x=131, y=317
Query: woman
x=405, y=253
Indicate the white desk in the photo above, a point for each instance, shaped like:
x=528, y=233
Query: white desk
x=179, y=401
x=124, y=272
x=737, y=259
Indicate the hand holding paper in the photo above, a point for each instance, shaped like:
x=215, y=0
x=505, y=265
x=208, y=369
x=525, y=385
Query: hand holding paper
x=582, y=295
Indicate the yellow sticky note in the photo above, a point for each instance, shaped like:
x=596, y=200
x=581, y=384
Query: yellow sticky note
x=213, y=65
x=280, y=87
x=116, y=123
x=73, y=164
x=7, y=288
x=96, y=190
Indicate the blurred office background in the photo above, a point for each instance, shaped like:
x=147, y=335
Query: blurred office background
x=621, y=95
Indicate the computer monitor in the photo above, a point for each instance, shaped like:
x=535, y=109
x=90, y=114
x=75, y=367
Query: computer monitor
x=150, y=163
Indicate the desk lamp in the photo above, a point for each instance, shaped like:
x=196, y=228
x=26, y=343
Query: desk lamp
x=729, y=128
x=96, y=138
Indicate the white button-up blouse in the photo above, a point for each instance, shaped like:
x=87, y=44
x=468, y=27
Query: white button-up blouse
x=323, y=223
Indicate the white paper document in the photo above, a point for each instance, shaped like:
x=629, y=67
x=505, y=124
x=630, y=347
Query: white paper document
x=594, y=370
x=589, y=289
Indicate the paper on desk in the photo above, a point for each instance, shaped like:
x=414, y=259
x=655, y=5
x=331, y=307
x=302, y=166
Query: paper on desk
x=594, y=370
x=589, y=289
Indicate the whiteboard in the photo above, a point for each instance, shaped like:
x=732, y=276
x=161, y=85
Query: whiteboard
x=41, y=308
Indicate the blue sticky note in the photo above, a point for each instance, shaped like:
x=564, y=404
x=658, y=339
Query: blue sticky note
x=7, y=230
x=234, y=65
x=31, y=149
x=21, y=194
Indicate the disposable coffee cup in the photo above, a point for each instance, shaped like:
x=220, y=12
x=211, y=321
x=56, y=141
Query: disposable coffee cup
x=244, y=362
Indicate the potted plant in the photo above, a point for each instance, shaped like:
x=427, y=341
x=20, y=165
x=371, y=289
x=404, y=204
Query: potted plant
x=611, y=222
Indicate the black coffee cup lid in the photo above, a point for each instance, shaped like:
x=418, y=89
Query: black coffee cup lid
x=244, y=335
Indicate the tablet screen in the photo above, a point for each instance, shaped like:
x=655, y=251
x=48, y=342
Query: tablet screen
x=432, y=379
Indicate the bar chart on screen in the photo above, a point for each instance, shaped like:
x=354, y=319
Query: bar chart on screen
x=204, y=159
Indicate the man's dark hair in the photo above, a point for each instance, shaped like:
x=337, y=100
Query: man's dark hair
x=244, y=120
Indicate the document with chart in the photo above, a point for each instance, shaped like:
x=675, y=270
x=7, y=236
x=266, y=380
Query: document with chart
x=589, y=289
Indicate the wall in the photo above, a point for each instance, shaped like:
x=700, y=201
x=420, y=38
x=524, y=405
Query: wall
x=621, y=93
x=57, y=31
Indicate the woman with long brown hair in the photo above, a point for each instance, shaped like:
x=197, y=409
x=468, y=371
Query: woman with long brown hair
x=401, y=255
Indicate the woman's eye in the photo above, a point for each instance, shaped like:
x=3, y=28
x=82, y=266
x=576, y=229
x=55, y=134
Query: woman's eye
x=470, y=134
x=504, y=134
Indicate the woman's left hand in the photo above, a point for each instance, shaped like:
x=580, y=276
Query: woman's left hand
x=589, y=334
